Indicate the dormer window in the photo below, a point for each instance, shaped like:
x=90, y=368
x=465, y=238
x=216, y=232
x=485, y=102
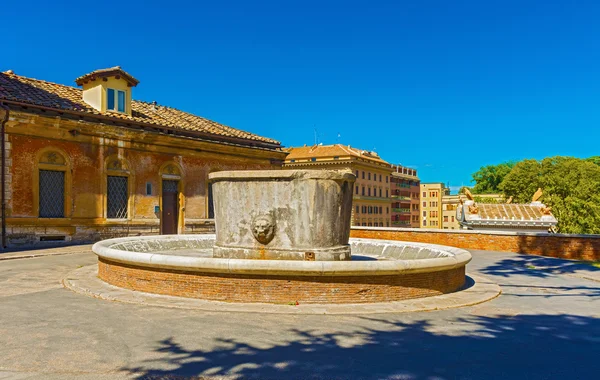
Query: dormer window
x=108, y=90
x=115, y=97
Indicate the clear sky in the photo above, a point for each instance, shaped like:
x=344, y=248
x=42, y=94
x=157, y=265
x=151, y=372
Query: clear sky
x=442, y=86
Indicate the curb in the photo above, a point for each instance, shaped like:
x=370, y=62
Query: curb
x=84, y=281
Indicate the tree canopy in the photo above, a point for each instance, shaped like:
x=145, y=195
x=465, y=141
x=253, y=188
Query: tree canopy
x=571, y=186
x=488, y=178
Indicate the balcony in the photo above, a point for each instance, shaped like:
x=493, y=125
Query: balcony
x=400, y=223
x=403, y=185
x=401, y=210
x=400, y=197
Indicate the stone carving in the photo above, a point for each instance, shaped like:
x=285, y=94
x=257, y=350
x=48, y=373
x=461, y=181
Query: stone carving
x=509, y=200
x=263, y=228
x=468, y=194
x=115, y=165
x=52, y=158
x=537, y=195
x=473, y=209
x=546, y=210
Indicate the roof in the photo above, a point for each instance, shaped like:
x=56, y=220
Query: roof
x=19, y=89
x=110, y=72
x=335, y=150
x=535, y=214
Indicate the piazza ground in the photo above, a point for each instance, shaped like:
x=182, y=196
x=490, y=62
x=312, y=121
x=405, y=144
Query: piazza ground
x=546, y=324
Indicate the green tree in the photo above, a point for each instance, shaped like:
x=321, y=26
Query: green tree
x=571, y=187
x=488, y=178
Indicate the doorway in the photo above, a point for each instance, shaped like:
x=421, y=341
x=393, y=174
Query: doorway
x=170, y=207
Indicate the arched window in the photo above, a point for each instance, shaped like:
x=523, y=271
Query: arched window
x=52, y=184
x=118, y=188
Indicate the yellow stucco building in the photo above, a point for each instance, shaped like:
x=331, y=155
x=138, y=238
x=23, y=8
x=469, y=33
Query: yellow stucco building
x=371, y=200
x=431, y=205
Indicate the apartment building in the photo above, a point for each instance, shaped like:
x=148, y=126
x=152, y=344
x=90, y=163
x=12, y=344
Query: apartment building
x=431, y=205
x=449, y=205
x=405, y=193
x=371, y=199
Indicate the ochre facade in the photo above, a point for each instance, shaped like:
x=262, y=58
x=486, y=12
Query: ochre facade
x=87, y=152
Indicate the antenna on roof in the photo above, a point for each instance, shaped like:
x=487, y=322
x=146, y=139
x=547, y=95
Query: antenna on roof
x=316, y=140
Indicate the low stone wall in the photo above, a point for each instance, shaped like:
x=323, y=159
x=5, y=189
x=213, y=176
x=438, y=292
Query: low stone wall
x=576, y=247
x=24, y=234
x=281, y=289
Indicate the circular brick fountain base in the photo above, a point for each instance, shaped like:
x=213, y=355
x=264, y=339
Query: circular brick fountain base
x=381, y=271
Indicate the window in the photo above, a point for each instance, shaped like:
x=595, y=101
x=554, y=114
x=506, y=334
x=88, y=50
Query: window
x=52, y=194
x=425, y=223
x=452, y=219
x=357, y=210
x=387, y=210
x=363, y=175
x=379, y=192
x=110, y=99
x=292, y=160
x=387, y=193
x=363, y=191
x=369, y=191
x=424, y=214
x=313, y=159
x=380, y=181
x=424, y=194
x=445, y=218
x=369, y=174
x=336, y=157
x=52, y=179
x=386, y=179
x=116, y=197
x=357, y=174
x=424, y=204
x=380, y=210
x=148, y=188
x=119, y=101
x=356, y=190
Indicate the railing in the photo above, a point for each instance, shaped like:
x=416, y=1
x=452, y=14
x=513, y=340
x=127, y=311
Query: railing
x=401, y=209
x=400, y=222
x=404, y=185
x=400, y=197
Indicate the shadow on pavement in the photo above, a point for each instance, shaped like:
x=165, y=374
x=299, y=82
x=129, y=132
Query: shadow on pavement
x=536, y=266
x=475, y=347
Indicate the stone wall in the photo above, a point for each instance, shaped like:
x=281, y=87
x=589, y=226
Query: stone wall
x=577, y=247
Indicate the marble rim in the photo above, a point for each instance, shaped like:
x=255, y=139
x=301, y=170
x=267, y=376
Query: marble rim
x=452, y=258
x=262, y=175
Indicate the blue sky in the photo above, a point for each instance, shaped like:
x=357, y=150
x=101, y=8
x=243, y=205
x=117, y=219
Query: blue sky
x=442, y=86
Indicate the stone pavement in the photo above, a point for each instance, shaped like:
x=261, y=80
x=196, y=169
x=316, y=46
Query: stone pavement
x=546, y=324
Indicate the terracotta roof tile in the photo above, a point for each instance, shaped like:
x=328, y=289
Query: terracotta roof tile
x=322, y=151
x=60, y=97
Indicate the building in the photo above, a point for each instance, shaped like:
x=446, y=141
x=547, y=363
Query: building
x=81, y=164
x=404, y=191
x=371, y=200
x=449, y=206
x=431, y=205
x=530, y=217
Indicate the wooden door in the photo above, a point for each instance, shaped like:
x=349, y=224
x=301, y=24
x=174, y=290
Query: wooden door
x=170, y=207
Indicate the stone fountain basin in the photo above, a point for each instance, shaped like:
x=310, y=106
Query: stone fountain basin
x=380, y=271
x=194, y=253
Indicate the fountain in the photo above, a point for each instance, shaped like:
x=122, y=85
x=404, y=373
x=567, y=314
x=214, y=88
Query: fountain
x=282, y=237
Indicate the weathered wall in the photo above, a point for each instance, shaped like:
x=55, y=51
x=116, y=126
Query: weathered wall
x=88, y=147
x=577, y=247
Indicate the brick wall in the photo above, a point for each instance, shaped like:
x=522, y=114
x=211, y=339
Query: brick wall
x=281, y=290
x=577, y=247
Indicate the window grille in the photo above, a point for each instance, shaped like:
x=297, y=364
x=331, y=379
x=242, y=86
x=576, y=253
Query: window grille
x=52, y=194
x=116, y=197
x=170, y=186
